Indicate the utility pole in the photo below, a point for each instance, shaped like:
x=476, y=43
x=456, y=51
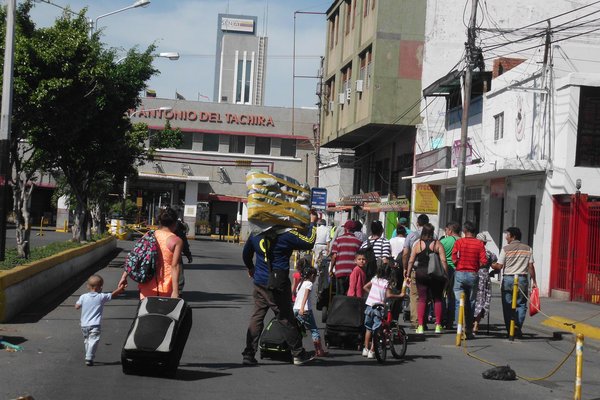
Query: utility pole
x=5, y=116
x=317, y=127
x=462, y=162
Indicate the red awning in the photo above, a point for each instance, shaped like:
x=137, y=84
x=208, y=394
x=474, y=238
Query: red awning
x=339, y=208
x=221, y=197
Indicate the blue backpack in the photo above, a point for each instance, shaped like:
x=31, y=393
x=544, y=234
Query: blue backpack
x=140, y=263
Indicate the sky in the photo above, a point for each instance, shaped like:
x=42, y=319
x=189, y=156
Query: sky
x=190, y=26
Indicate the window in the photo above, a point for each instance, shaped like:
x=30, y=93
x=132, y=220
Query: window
x=238, y=87
x=348, y=16
x=332, y=32
x=237, y=144
x=186, y=141
x=499, y=126
x=346, y=78
x=588, y=128
x=365, y=68
x=210, y=142
x=354, y=3
x=366, y=7
x=329, y=95
x=247, y=81
x=262, y=145
x=369, y=68
x=288, y=147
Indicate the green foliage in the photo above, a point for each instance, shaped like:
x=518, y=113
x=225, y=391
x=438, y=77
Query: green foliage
x=12, y=258
x=131, y=209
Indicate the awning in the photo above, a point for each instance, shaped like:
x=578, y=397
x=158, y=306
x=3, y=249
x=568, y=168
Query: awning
x=221, y=197
x=173, y=177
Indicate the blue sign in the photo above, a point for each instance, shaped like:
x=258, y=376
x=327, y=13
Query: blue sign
x=318, y=199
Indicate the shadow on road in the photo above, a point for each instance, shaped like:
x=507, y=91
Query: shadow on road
x=194, y=296
x=48, y=302
x=213, y=267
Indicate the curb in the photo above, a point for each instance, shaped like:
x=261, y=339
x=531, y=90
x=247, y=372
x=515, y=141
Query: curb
x=25, y=283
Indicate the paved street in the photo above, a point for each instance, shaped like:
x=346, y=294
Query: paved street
x=219, y=291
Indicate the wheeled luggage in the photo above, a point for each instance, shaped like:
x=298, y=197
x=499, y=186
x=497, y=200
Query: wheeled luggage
x=345, y=321
x=157, y=337
x=272, y=342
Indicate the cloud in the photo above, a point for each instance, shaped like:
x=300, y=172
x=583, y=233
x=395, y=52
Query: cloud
x=189, y=27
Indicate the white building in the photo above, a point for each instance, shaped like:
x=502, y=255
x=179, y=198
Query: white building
x=533, y=132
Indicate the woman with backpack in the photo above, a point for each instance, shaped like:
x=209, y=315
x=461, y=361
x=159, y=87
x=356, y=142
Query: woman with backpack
x=419, y=260
x=165, y=282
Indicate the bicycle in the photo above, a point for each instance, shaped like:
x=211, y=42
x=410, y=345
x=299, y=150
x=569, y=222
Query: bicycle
x=388, y=335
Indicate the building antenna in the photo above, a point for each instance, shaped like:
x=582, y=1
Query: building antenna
x=266, y=26
x=227, y=9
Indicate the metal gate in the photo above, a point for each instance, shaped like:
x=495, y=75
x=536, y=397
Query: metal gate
x=575, y=264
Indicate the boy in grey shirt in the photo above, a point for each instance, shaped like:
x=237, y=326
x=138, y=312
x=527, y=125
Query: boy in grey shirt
x=92, y=305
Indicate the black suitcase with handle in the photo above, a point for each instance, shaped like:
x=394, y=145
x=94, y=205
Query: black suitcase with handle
x=157, y=337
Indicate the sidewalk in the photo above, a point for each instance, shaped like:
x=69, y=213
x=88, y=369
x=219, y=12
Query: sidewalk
x=561, y=312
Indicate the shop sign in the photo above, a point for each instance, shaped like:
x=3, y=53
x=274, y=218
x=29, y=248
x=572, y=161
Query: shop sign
x=387, y=206
x=359, y=199
x=426, y=199
x=318, y=199
x=346, y=161
x=190, y=211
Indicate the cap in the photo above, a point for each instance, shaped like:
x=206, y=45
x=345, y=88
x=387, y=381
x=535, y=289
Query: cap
x=350, y=225
x=403, y=220
x=482, y=236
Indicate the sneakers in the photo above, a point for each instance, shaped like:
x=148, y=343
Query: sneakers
x=89, y=363
x=371, y=354
x=365, y=352
x=439, y=329
x=249, y=359
x=419, y=330
x=303, y=358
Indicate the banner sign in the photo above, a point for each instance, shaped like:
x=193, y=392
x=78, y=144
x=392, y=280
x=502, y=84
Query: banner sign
x=318, y=199
x=426, y=199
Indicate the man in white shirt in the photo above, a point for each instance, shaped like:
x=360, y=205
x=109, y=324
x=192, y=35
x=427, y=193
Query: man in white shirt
x=322, y=238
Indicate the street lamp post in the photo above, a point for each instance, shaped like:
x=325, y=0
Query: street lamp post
x=94, y=24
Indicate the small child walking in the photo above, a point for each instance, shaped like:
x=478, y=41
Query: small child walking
x=92, y=305
x=358, y=275
x=379, y=290
x=303, y=308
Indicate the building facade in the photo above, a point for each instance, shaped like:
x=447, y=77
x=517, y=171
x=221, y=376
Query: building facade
x=372, y=71
x=240, y=61
x=532, y=135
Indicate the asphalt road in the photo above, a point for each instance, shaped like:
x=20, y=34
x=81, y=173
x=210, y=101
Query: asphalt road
x=219, y=291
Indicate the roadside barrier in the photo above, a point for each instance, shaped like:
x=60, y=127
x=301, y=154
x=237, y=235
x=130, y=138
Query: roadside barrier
x=513, y=317
x=578, y=366
x=461, y=319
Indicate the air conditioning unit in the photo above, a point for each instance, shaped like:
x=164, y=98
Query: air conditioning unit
x=348, y=93
x=359, y=85
x=342, y=98
x=331, y=103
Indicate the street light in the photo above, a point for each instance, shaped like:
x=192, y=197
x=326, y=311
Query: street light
x=138, y=3
x=171, y=55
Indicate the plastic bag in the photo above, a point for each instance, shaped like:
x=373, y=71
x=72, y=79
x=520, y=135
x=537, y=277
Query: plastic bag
x=534, y=302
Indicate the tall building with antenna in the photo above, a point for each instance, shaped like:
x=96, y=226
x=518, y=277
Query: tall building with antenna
x=240, y=61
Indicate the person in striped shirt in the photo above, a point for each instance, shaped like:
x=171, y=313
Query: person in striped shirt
x=343, y=251
x=381, y=246
x=468, y=255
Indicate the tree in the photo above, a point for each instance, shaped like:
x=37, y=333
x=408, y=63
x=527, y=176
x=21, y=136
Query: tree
x=78, y=121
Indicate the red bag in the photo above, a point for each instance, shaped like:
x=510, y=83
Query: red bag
x=534, y=302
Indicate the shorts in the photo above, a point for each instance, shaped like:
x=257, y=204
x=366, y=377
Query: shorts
x=373, y=318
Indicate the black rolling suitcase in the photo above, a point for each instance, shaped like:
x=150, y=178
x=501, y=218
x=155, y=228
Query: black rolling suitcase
x=157, y=337
x=272, y=342
x=345, y=321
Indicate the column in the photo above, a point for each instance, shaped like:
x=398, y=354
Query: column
x=191, y=201
x=62, y=213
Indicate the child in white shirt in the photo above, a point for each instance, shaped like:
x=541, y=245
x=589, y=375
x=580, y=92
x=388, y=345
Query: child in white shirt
x=303, y=308
x=378, y=290
x=92, y=305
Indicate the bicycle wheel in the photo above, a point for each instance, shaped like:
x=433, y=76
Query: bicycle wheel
x=380, y=344
x=398, y=339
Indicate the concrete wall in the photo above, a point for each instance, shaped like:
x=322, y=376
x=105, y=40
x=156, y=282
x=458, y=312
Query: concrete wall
x=23, y=285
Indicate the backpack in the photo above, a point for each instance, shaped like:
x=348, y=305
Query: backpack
x=371, y=266
x=140, y=263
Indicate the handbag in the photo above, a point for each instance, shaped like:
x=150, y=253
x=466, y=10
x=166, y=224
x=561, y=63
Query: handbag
x=534, y=302
x=435, y=270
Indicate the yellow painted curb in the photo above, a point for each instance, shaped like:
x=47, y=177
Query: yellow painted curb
x=20, y=273
x=589, y=331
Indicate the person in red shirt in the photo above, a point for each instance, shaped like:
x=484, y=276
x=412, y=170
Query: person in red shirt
x=358, y=276
x=343, y=250
x=468, y=255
